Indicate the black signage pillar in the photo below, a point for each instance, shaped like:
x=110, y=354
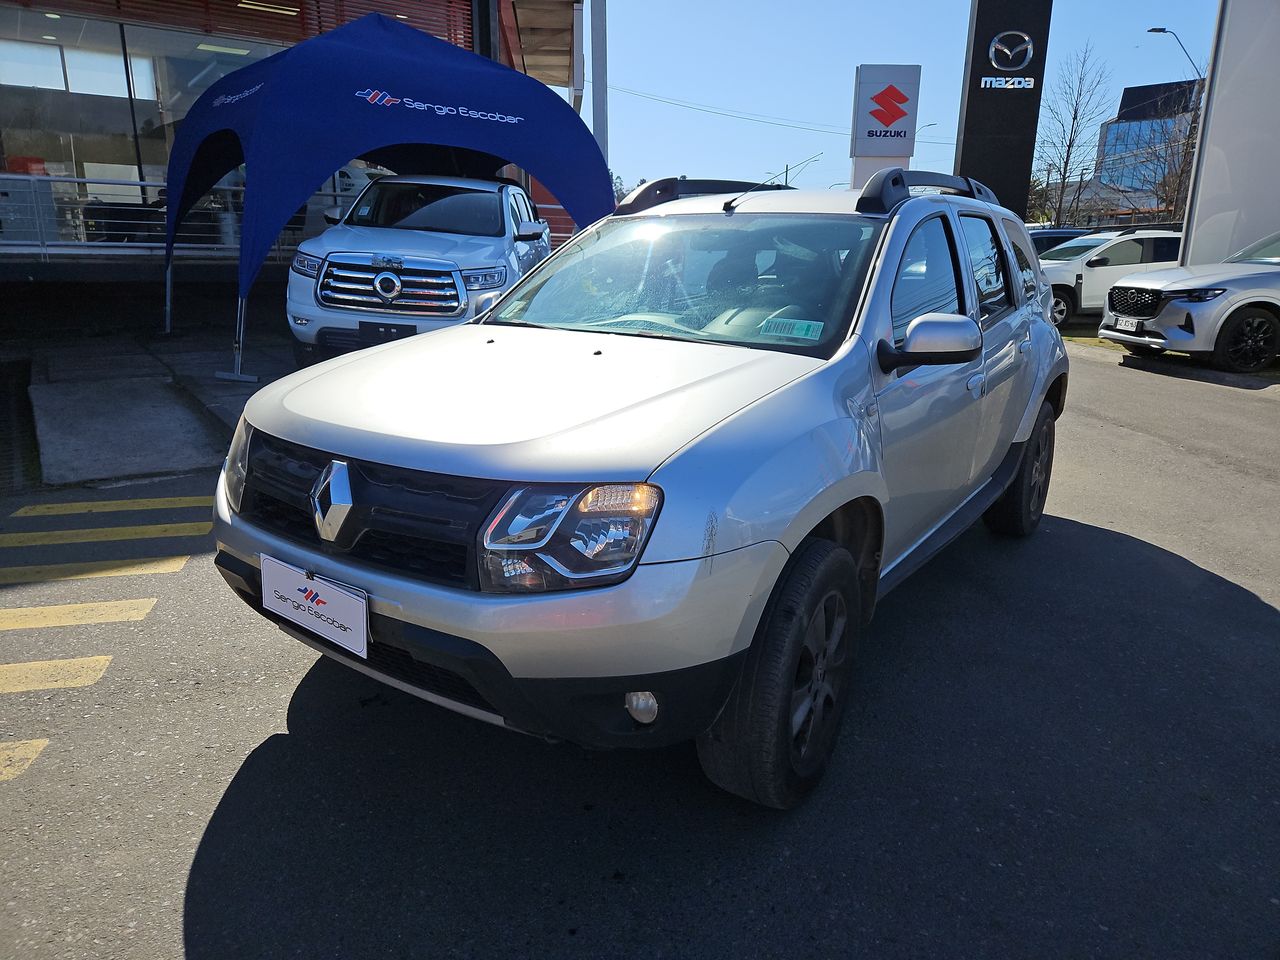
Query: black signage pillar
x=1000, y=107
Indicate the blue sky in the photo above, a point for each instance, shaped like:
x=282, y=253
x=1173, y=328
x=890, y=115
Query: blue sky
x=795, y=62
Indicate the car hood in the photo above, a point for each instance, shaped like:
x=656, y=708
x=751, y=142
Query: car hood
x=1206, y=275
x=518, y=403
x=466, y=252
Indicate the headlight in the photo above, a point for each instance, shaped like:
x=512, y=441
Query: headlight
x=1198, y=296
x=306, y=264
x=236, y=469
x=489, y=278
x=563, y=537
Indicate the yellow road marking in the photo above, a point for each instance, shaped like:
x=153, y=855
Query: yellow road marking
x=16, y=756
x=111, y=506
x=74, y=614
x=98, y=534
x=95, y=568
x=52, y=674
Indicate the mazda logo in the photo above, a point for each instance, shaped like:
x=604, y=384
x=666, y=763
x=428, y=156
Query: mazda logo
x=1011, y=50
x=331, y=500
x=387, y=285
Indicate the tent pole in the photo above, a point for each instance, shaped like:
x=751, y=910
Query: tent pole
x=168, y=298
x=238, y=349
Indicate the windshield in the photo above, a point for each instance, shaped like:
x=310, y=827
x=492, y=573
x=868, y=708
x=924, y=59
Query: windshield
x=1266, y=250
x=429, y=206
x=785, y=282
x=1074, y=248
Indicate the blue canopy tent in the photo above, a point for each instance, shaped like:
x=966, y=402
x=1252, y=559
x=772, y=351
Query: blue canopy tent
x=382, y=90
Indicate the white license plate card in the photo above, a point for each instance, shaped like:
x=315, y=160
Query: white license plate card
x=334, y=611
x=1127, y=323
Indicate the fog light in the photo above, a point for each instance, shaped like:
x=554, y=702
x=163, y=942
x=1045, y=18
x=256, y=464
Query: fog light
x=643, y=706
x=300, y=321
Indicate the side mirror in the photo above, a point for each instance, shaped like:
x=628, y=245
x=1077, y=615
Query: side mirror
x=1097, y=262
x=529, y=230
x=934, y=339
x=333, y=215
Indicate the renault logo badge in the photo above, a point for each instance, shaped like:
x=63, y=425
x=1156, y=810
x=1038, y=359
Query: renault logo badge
x=331, y=500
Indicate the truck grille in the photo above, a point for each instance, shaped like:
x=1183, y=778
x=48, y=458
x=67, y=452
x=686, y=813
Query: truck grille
x=415, y=524
x=407, y=285
x=1134, y=302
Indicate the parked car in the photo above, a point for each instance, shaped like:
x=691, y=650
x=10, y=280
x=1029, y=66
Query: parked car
x=1227, y=313
x=656, y=492
x=1046, y=238
x=411, y=254
x=1081, y=271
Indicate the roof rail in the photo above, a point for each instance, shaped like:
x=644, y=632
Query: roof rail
x=673, y=188
x=891, y=186
x=1170, y=227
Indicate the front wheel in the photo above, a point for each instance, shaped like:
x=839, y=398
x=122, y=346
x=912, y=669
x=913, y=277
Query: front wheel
x=1247, y=341
x=1063, y=308
x=772, y=741
x=1018, y=511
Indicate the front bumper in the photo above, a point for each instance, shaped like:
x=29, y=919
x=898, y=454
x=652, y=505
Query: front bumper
x=340, y=329
x=1180, y=325
x=558, y=664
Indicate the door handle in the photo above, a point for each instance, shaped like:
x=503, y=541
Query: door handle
x=976, y=384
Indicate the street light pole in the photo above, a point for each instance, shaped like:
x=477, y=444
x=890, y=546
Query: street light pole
x=1184, y=49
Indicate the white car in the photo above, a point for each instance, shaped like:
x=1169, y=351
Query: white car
x=1228, y=313
x=655, y=493
x=1081, y=271
x=411, y=254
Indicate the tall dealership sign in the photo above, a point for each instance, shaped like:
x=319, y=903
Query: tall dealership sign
x=885, y=97
x=1000, y=107
x=1233, y=200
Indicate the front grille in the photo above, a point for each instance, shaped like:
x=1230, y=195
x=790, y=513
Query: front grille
x=416, y=524
x=428, y=288
x=1134, y=302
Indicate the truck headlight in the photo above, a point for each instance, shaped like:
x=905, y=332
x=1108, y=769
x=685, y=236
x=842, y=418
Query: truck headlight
x=306, y=264
x=490, y=278
x=235, y=471
x=1200, y=295
x=552, y=537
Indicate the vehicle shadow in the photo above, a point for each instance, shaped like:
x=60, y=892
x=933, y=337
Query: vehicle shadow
x=1189, y=368
x=1063, y=746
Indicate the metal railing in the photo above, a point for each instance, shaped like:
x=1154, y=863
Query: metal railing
x=58, y=218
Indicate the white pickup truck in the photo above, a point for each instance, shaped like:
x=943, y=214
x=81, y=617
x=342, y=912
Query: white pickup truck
x=411, y=254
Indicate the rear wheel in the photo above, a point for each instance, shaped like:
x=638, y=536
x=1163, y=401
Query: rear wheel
x=772, y=741
x=1247, y=341
x=1063, y=308
x=1018, y=511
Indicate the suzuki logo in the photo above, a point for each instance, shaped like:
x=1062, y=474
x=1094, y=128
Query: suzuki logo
x=1011, y=50
x=331, y=500
x=378, y=97
x=890, y=110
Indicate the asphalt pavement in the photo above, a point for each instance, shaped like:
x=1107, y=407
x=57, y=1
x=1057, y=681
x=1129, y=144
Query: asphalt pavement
x=1066, y=746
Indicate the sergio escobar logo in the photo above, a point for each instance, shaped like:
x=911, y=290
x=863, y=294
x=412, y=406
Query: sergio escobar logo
x=382, y=98
x=310, y=610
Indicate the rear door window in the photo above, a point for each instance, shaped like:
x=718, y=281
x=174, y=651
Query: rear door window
x=1163, y=249
x=1122, y=253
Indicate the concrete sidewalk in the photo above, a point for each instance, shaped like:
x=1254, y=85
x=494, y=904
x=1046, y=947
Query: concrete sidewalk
x=112, y=407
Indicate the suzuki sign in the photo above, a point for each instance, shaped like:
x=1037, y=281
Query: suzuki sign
x=884, y=110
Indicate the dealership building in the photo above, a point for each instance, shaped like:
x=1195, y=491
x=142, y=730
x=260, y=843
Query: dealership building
x=92, y=93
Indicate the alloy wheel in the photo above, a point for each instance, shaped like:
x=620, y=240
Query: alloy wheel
x=1059, y=311
x=1253, y=343
x=824, y=660
x=1040, y=467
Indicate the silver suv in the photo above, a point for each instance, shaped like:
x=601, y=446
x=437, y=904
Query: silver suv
x=655, y=493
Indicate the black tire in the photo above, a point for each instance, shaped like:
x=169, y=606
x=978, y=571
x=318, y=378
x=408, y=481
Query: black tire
x=1063, y=309
x=766, y=745
x=1018, y=511
x=1248, y=341
x=1142, y=350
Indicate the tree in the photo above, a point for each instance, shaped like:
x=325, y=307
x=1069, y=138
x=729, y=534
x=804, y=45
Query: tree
x=1066, y=145
x=620, y=189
